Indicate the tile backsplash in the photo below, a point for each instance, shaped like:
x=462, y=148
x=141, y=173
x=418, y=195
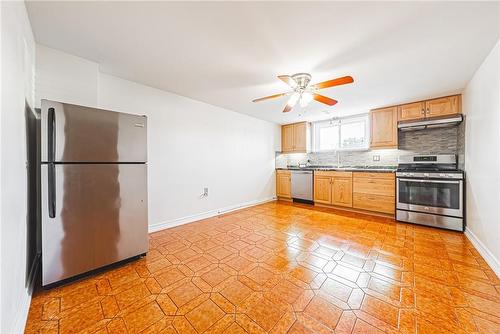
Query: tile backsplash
x=430, y=141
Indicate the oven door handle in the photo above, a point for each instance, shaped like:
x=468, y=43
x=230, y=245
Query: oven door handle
x=430, y=181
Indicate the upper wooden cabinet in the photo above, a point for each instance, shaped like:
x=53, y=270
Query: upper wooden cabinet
x=384, y=128
x=411, y=111
x=295, y=138
x=287, y=142
x=443, y=106
x=334, y=188
x=283, y=184
x=449, y=105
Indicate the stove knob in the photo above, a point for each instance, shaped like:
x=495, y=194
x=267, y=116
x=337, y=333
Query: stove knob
x=443, y=175
x=426, y=174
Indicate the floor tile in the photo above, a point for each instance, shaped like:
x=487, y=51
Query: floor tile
x=184, y=294
x=205, y=315
x=236, y=292
x=143, y=317
x=326, y=313
x=264, y=313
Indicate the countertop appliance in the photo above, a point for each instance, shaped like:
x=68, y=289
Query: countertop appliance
x=302, y=185
x=93, y=189
x=430, y=191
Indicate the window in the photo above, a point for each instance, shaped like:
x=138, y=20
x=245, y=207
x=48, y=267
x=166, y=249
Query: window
x=341, y=134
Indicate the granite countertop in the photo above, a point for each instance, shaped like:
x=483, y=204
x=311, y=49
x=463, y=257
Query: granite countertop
x=386, y=169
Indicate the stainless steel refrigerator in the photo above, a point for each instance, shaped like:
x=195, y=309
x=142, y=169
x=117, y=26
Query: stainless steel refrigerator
x=93, y=189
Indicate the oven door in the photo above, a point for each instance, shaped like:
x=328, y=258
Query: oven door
x=442, y=197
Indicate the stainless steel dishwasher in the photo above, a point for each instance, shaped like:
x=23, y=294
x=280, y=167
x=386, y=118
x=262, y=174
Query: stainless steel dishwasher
x=302, y=185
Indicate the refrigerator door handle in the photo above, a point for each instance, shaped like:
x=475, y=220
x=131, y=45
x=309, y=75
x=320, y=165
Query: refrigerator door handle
x=51, y=134
x=51, y=190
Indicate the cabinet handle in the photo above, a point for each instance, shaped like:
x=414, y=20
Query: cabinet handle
x=428, y=111
x=423, y=111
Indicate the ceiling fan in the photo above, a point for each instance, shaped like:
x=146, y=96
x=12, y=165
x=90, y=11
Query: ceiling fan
x=301, y=91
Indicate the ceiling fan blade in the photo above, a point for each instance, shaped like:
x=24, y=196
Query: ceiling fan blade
x=288, y=80
x=269, y=97
x=324, y=99
x=333, y=82
x=287, y=108
x=292, y=101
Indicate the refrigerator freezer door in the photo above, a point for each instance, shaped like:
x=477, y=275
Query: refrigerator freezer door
x=100, y=217
x=71, y=133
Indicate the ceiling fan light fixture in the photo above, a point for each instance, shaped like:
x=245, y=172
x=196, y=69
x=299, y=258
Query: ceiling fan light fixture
x=305, y=99
x=294, y=99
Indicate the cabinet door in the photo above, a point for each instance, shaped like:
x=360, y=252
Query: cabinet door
x=300, y=137
x=287, y=140
x=384, y=128
x=342, y=192
x=411, y=111
x=283, y=188
x=444, y=106
x=323, y=189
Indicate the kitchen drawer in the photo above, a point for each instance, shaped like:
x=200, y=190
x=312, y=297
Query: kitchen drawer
x=377, y=203
x=333, y=173
x=375, y=175
x=283, y=171
x=385, y=187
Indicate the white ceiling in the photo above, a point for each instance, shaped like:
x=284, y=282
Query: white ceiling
x=228, y=53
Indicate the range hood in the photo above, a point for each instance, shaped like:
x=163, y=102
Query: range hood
x=430, y=123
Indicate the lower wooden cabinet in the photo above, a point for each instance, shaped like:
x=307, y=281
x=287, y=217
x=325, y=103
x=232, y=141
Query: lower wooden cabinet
x=342, y=191
x=374, y=192
x=333, y=188
x=283, y=184
x=322, y=189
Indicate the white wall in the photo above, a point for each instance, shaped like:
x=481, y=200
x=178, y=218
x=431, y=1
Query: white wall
x=190, y=144
x=17, y=69
x=60, y=76
x=481, y=103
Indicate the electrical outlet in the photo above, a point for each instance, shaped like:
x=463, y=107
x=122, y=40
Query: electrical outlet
x=205, y=192
x=376, y=158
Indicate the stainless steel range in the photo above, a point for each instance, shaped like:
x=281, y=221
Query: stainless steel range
x=430, y=191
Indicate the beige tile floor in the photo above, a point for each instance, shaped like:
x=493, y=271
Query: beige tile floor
x=283, y=268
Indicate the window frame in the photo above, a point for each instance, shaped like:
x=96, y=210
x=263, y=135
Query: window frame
x=339, y=121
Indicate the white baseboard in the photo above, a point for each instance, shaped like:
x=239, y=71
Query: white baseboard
x=19, y=321
x=484, y=251
x=208, y=214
